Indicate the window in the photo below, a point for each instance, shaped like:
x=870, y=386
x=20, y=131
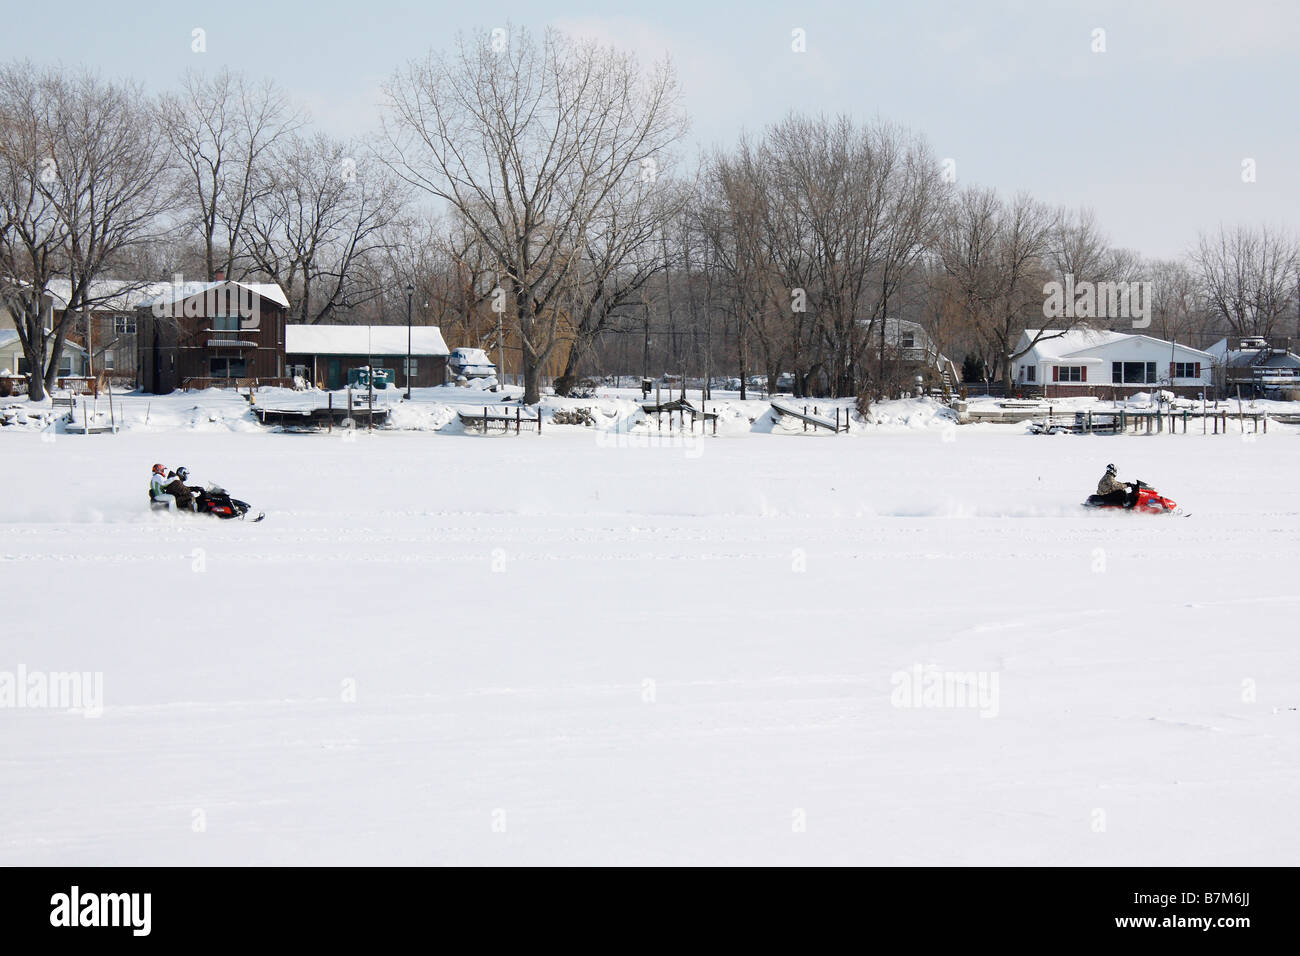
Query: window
x=225, y=323
x=1031, y=373
x=412, y=367
x=908, y=341
x=1186, y=370
x=1071, y=373
x=1133, y=373
x=65, y=365
x=226, y=367
x=123, y=325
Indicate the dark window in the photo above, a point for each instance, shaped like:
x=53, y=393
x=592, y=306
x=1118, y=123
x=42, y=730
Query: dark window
x=226, y=367
x=123, y=325
x=225, y=323
x=1070, y=373
x=1187, y=370
x=1030, y=373
x=1133, y=373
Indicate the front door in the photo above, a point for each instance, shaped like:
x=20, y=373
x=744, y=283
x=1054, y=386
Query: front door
x=335, y=377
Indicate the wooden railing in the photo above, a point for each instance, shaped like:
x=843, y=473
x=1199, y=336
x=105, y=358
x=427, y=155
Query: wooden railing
x=196, y=383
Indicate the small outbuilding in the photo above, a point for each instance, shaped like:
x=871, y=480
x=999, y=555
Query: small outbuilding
x=323, y=354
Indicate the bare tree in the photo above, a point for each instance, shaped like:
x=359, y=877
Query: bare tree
x=996, y=254
x=1177, y=309
x=323, y=210
x=526, y=141
x=624, y=246
x=221, y=131
x=1248, y=277
x=84, y=181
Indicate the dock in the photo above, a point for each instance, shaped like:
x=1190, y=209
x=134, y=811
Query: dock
x=481, y=420
x=813, y=419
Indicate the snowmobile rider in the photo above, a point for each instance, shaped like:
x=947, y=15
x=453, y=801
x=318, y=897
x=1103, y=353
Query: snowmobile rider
x=1115, y=491
x=182, y=476
x=161, y=483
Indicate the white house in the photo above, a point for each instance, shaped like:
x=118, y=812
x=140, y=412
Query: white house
x=1099, y=362
x=14, y=365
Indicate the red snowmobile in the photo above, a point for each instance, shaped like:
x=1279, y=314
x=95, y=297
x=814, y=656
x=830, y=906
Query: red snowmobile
x=1142, y=498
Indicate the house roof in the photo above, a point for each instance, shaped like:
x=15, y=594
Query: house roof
x=112, y=295
x=9, y=339
x=173, y=292
x=1076, y=342
x=362, y=340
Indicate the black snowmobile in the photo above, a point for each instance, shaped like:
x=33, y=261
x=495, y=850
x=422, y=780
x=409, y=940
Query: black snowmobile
x=212, y=500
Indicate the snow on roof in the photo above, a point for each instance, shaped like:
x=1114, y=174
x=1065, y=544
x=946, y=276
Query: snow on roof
x=108, y=295
x=172, y=292
x=1068, y=343
x=362, y=340
x=9, y=338
x=1072, y=343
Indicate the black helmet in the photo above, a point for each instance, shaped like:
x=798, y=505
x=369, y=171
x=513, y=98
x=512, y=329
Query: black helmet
x=1112, y=470
x=183, y=473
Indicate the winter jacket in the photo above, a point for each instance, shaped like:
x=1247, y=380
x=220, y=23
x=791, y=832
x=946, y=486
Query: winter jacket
x=1110, y=484
x=157, y=487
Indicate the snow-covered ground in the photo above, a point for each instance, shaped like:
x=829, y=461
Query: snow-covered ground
x=592, y=647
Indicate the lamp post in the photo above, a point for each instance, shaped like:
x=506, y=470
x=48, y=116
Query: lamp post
x=410, y=291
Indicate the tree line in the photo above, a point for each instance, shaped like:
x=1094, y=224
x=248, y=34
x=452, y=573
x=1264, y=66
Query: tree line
x=532, y=192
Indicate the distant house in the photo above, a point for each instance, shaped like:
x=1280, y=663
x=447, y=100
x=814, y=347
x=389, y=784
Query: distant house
x=322, y=354
x=1257, y=366
x=206, y=334
x=1097, y=362
x=103, y=339
x=107, y=334
x=13, y=364
x=908, y=342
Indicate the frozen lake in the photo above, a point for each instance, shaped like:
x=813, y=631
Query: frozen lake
x=559, y=649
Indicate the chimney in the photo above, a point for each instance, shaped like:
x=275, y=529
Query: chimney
x=221, y=275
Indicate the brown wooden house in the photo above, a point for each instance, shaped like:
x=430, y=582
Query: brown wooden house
x=212, y=334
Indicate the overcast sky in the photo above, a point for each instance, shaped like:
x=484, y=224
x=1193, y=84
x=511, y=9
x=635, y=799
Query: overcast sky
x=1151, y=134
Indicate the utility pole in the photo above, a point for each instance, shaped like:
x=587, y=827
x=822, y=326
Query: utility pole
x=410, y=291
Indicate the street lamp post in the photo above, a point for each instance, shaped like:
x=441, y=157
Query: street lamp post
x=410, y=291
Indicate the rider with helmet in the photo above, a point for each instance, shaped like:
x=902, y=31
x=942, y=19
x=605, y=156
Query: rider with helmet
x=1116, y=492
x=162, y=483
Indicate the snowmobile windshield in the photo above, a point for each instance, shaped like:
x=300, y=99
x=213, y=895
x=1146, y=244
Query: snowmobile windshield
x=214, y=489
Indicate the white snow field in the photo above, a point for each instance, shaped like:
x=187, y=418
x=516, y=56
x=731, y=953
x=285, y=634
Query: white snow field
x=453, y=649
